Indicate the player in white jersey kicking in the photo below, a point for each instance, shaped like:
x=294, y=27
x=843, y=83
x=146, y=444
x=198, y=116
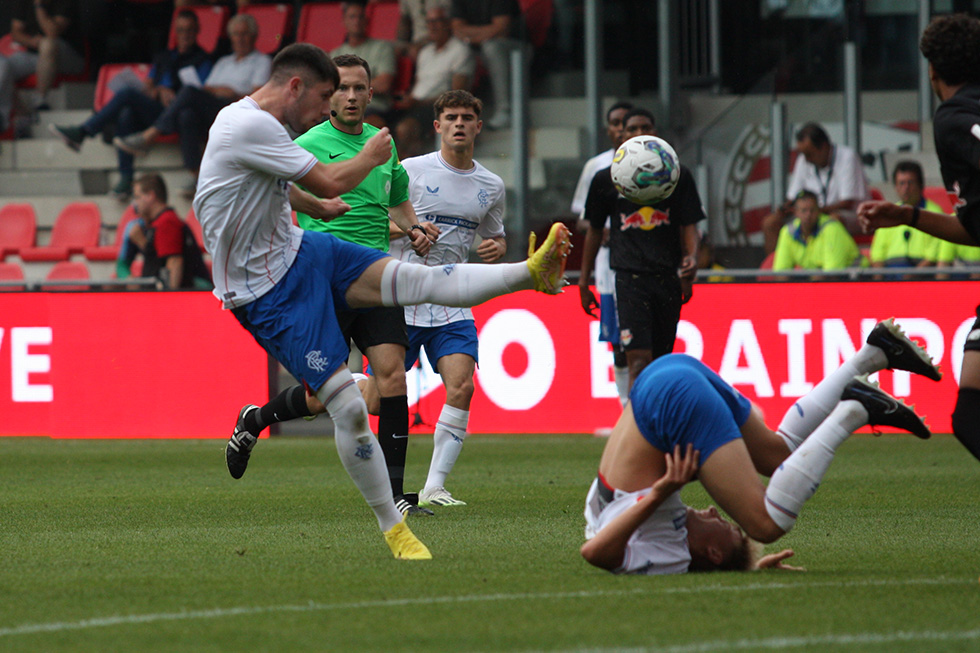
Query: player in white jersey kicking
x=464, y=200
x=683, y=421
x=284, y=284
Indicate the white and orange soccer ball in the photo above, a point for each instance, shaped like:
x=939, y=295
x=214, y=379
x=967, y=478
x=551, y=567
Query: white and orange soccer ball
x=645, y=170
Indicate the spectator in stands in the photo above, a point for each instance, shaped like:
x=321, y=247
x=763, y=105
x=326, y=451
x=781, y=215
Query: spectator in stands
x=195, y=107
x=48, y=42
x=413, y=32
x=134, y=107
x=834, y=173
x=380, y=56
x=491, y=27
x=170, y=251
x=814, y=240
x=902, y=246
x=444, y=64
x=953, y=255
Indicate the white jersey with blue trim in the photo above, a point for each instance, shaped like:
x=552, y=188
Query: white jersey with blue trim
x=463, y=204
x=242, y=201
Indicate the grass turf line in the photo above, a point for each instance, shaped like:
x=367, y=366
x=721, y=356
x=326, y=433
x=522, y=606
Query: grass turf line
x=150, y=545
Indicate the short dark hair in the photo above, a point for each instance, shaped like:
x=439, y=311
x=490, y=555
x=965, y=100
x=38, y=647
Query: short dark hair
x=352, y=61
x=187, y=14
x=152, y=182
x=617, y=107
x=305, y=60
x=814, y=133
x=952, y=45
x=640, y=111
x=458, y=98
x=806, y=195
x=909, y=166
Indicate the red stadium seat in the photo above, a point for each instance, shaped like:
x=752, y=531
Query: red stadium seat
x=195, y=226
x=11, y=272
x=106, y=74
x=213, y=20
x=67, y=270
x=18, y=228
x=404, y=75
x=876, y=194
x=383, y=19
x=537, y=17
x=111, y=252
x=275, y=25
x=938, y=195
x=321, y=23
x=76, y=227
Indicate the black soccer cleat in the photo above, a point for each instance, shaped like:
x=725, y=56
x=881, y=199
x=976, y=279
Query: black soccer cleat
x=408, y=505
x=902, y=353
x=884, y=409
x=239, y=446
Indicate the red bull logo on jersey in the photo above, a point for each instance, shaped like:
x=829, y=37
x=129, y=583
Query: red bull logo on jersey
x=645, y=218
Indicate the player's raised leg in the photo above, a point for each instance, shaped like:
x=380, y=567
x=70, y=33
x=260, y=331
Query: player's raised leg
x=392, y=283
x=799, y=476
x=887, y=347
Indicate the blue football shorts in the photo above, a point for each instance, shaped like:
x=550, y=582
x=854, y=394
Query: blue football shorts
x=453, y=338
x=679, y=400
x=296, y=321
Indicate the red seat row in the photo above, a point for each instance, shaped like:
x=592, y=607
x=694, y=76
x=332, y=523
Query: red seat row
x=62, y=271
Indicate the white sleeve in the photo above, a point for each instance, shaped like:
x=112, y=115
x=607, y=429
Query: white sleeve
x=582, y=187
x=853, y=184
x=263, y=144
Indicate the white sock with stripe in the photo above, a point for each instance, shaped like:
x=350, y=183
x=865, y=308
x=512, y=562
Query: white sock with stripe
x=799, y=476
x=447, y=444
x=812, y=409
x=357, y=447
x=405, y=284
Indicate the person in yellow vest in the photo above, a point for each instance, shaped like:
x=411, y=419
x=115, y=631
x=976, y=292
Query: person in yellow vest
x=814, y=240
x=951, y=255
x=903, y=246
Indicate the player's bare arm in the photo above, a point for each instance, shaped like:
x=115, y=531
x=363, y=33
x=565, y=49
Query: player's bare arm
x=325, y=209
x=607, y=548
x=877, y=214
x=335, y=179
x=593, y=240
x=492, y=250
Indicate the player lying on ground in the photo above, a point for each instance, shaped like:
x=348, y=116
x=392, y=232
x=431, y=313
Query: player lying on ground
x=683, y=421
x=284, y=284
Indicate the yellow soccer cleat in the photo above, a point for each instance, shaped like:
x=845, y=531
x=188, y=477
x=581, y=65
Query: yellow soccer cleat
x=547, y=264
x=403, y=543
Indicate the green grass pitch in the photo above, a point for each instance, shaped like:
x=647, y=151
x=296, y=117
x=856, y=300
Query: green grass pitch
x=151, y=546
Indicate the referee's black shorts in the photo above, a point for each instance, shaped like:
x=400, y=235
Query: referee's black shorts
x=374, y=326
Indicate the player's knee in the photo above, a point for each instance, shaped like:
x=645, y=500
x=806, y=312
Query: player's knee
x=460, y=394
x=762, y=528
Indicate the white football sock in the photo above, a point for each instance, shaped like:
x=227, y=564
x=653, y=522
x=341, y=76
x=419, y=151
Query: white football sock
x=448, y=442
x=810, y=410
x=621, y=376
x=799, y=476
x=357, y=447
x=405, y=284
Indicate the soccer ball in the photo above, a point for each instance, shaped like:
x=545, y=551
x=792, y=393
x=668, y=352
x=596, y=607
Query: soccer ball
x=645, y=170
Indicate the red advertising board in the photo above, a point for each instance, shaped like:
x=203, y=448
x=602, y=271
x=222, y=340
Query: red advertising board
x=542, y=369
x=175, y=365
x=147, y=365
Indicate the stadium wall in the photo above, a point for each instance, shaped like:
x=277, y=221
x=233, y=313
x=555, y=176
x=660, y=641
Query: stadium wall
x=170, y=365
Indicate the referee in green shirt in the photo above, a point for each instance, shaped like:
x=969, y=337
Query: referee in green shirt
x=379, y=332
